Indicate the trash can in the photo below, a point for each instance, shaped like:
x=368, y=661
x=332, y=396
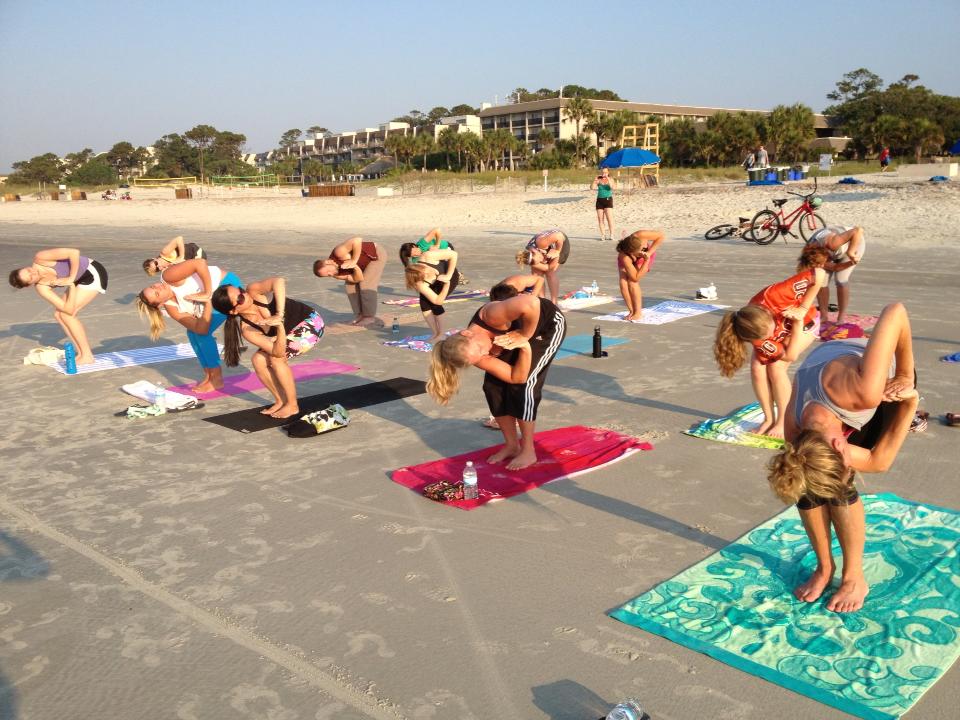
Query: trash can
x=772, y=176
x=782, y=173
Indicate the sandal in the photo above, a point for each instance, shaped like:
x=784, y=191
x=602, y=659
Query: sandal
x=490, y=423
x=919, y=422
x=833, y=307
x=953, y=419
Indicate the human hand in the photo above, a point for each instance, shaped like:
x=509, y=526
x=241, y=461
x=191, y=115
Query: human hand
x=273, y=321
x=348, y=265
x=444, y=278
x=61, y=282
x=795, y=313
x=899, y=388
x=511, y=340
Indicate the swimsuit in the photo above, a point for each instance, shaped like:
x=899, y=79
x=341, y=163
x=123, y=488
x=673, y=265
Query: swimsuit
x=437, y=287
x=564, y=251
x=302, y=324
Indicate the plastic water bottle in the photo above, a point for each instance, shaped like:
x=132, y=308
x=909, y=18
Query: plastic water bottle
x=629, y=709
x=160, y=398
x=471, y=490
x=396, y=326
x=597, y=343
x=594, y=289
x=70, y=358
x=713, y=291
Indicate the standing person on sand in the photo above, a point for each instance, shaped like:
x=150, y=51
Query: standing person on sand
x=763, y=159
x=635, y=255
x=83, y=278
x=554, y=247
x=884, y=159
x=359, y=264
x=846, y=246
x=604, y=204
x=513, y=341
x=850, y=410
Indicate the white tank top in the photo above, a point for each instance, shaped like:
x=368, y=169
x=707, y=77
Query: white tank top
x=192, y=286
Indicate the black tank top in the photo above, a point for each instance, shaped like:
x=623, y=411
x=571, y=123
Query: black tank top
x=294, y=313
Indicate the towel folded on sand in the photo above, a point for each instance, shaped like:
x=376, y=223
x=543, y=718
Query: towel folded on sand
x=664, y=312
x=737, y=428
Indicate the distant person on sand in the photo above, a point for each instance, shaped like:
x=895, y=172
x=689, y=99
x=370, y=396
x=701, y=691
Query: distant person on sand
x=749, y=161
x=359, y=264
x=884, y=159
x=762, y=159
x=850, y=410
x=173, y=252
x=635, y=255
x=554, y=247
x=846, y=247
x=604, y=205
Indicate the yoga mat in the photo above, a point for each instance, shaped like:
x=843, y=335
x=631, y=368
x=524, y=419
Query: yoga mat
x=737, y=606
x=249, y=382
x=664, y=312
x=583, y=345
x=129, y=358
x=578, y=303
x=416, y=342
x=352, y=398
x=146, y=390
x=562, y=453
x=456, y=297
x=736, y=428
x=854, y=326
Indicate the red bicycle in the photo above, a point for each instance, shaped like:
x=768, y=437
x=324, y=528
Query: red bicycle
x=767, y=224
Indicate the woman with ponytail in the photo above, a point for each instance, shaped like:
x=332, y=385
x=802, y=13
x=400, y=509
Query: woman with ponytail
x=513, y=341
x=850, y=410
x=433, y=282
x=779, y=323
x=172, y=253
x=281, y=328
x=550, y=248
x=635, y=255
x=183, y=295
x=539, y=266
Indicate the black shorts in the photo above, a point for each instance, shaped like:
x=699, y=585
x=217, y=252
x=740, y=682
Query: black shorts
x=88, y=279
x=192, y=251
x=522, y=400
x=437, y=287
x=604, y=203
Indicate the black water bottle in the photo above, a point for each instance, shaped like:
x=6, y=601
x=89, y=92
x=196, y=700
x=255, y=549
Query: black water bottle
x=597, y=343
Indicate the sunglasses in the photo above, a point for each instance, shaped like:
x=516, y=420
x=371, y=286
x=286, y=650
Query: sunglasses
x=241, y=298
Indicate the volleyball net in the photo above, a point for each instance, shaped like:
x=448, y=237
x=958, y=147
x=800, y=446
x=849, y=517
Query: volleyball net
x=267, y=180
x=164, y=182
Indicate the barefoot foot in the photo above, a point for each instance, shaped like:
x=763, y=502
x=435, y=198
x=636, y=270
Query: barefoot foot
x=850, y=596
x=85, y=360
x=523, y=460
x=504, y=453
x=272, y=409
x=813, y=588
x=285, y=411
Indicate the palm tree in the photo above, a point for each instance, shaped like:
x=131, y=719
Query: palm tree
x=597, y=124
x=423, y=143
x=447, y=140
x=617, y=121
x=578, y=109
x=472, y=146
x=924, y=134
x=400, y=146
x=545, y=138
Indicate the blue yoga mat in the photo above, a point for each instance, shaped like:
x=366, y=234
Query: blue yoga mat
x=737, y=606
x=583, y=345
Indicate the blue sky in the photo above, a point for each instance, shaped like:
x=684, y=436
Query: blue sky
x=89, y=74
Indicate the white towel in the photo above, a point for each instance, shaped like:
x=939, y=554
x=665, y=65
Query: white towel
x=665, y=312
x=128, y=358
x=146, y=390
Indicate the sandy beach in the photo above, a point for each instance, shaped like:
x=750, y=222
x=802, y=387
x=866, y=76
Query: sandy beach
x=171, y=568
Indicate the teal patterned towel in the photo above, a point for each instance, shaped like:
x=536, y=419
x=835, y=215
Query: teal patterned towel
x=737, y=606
x=735, y=429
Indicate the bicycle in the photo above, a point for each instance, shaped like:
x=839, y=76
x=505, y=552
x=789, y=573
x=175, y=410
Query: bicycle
x=727, y=230
x=767, y=224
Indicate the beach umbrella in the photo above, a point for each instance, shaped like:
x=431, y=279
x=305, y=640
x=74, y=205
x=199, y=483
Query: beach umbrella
x=955, y=150
x=630, y=157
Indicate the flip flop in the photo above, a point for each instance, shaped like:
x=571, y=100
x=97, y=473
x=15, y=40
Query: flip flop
x=953, y=419
x=490, y=424
x=919, y=422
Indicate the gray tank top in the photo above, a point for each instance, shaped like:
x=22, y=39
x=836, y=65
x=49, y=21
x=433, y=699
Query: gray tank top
x=810, y=388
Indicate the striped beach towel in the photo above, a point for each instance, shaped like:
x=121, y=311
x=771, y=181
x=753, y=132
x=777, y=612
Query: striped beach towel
x=129, y=358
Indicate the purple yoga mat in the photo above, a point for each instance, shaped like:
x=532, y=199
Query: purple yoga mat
x=249, y=382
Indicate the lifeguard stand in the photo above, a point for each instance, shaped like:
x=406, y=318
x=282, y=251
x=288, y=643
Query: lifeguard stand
x=645, y=137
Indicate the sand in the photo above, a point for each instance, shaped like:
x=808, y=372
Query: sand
x=170, y=568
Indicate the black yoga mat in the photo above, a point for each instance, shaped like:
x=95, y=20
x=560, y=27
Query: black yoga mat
x=352, y=398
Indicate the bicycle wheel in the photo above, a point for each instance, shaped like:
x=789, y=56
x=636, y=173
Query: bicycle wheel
x=720, y=231
x=810, y=223
x=765, y=227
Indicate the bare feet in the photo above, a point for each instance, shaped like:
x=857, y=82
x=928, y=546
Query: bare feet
x=285, y=411
x=504, y=453
x=635, y=317
x=85, y=360
x=775, y=432
x=523, y=460
x=205, y=386
x=272, y=409
x=813, y=588
x=368, y=320
x=356, y=320
x=850, y=596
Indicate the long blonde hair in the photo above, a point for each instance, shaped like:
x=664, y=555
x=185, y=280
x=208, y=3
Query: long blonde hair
x=153, y=314
x=523, y=257
x=808, y=466
x=751, y=322
x=446, y=362
x=414, y=274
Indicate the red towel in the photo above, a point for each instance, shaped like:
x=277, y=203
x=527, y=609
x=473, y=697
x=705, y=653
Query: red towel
x=562, y=453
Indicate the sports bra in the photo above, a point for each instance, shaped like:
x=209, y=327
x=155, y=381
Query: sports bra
x=477, y=320
x=294, y=313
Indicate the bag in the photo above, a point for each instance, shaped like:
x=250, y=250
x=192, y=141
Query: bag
x=321, y=421
x=444, y=491
x=43, y=356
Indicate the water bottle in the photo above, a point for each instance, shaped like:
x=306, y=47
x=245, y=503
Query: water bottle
x=594, y=288
x=471, y=490
x=597, y=343
x=70, y=358
x=396, y=325
x=160, y=398
x=713, y=291
x=629, y=709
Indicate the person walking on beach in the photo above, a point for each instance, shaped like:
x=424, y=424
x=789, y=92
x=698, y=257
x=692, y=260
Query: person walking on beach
x=846, y=246
x=281, y=329
x=604, y=204
x=884, y=159
x=762, y=159
x=850, y=410
x=635, y=255
x=513, y=341
x=359, y=264
x=83, y=279
x=183, y=294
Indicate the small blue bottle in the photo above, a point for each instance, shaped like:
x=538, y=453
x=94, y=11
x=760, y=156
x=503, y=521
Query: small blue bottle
x=396, y=326
x=70, y=358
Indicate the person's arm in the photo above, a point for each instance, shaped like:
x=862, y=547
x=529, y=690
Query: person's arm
x=890, y=339
x=181, y=271
x=880, y=457
x=433, y=238
x=799, y=312
x=451, y=257
x=525, y=308
x=48, y=294
x=200, y=325
x=45, y=257
x=353, y=247
x=523, y=283
x=628, y=268
x=792, y=344
x=436, y=298
x=855, y=249
x=273, y=346
x=174, y=246
x=276, y=286
x=515, y=374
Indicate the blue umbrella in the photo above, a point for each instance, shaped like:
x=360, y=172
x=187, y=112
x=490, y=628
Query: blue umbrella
x=630, y=157
x=955, y=150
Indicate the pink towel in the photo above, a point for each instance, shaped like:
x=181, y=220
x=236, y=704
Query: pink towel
x=563, y=453
x=249, y=382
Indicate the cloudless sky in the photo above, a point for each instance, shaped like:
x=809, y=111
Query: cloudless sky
x=92, y=73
